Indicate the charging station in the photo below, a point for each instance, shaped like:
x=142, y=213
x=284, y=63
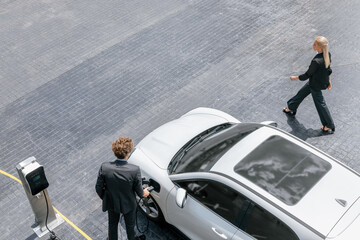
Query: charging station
x=33, y=178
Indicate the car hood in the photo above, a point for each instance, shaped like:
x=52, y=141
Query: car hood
x=164, y=142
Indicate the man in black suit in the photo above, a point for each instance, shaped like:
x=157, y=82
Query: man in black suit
x=116, y=185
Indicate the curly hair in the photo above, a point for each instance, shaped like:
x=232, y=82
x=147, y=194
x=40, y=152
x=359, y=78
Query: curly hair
x=122, y=147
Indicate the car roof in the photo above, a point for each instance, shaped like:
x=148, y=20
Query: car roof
x=321, y=206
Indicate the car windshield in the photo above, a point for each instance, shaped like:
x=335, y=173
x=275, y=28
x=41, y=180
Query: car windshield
x=204, y=150
x=282, y=168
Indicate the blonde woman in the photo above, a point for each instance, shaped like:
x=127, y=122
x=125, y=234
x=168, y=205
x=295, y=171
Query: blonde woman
x=319, y=79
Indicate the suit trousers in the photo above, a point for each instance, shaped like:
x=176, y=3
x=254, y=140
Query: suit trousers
x=320, y=104
x=114, y=219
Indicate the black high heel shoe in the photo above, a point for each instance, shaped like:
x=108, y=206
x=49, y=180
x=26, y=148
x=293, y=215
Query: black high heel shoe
x=289, y=112
x=329, y=130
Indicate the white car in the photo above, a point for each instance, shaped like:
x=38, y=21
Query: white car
x=217, y=178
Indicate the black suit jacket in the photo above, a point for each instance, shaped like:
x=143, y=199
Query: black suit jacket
x=116, y=185
x=317, y=74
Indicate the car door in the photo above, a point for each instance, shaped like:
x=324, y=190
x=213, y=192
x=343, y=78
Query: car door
x=261, y=224
x=212, y=211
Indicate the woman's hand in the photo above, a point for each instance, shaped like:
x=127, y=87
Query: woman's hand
x=292, y=78
x=329, y=87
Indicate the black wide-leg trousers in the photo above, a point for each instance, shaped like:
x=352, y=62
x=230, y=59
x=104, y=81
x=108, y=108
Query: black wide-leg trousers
x=320, y=104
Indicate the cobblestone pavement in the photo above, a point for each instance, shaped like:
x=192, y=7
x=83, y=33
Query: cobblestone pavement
x=75, y=75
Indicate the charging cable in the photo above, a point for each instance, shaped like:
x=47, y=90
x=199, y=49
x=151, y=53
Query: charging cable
x=136, y=220
x=52, y=234
x=146, y=204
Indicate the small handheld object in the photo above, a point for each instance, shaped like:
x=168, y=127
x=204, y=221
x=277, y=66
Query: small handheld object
x=151, y=183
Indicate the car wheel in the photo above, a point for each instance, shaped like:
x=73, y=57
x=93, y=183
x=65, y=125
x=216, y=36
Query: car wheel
x=150, y=209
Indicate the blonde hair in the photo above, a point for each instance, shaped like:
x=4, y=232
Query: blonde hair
x=324, y=44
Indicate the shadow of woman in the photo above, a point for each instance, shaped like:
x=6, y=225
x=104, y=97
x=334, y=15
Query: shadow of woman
x=298, y=129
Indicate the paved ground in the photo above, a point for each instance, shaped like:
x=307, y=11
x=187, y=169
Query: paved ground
x=75, y=75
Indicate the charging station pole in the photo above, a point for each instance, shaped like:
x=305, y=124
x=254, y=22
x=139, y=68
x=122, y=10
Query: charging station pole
x=33, y=179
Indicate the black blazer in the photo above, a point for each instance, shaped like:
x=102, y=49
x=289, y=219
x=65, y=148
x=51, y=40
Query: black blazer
x=116, y=185
x=317, y=74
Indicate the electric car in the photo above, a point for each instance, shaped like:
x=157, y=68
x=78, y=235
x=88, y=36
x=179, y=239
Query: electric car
x=217, y=178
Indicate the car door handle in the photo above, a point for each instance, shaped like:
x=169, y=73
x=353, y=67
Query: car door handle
x=218, y=233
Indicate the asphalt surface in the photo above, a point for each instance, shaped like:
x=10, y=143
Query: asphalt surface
x=75, y=75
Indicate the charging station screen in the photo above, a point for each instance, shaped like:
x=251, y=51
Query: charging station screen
x=37, y=180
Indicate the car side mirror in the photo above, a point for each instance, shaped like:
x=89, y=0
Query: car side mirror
x=181, y=196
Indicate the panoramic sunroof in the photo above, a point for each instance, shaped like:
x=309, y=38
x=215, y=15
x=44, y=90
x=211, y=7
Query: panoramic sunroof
x=283, y=169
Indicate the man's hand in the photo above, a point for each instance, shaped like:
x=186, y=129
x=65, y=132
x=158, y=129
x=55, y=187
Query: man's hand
x=292, y=78
x=146, y=192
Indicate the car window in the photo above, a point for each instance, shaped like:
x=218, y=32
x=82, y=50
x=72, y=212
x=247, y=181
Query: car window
x=238, y=210
x=219, y=198
x=262, y=225
x=200, y=157
x=282, y=168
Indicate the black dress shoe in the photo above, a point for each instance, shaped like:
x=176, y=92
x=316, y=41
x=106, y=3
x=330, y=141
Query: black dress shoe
x=140, y=237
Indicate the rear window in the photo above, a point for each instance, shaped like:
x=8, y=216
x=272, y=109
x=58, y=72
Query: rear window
x=283, y=169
